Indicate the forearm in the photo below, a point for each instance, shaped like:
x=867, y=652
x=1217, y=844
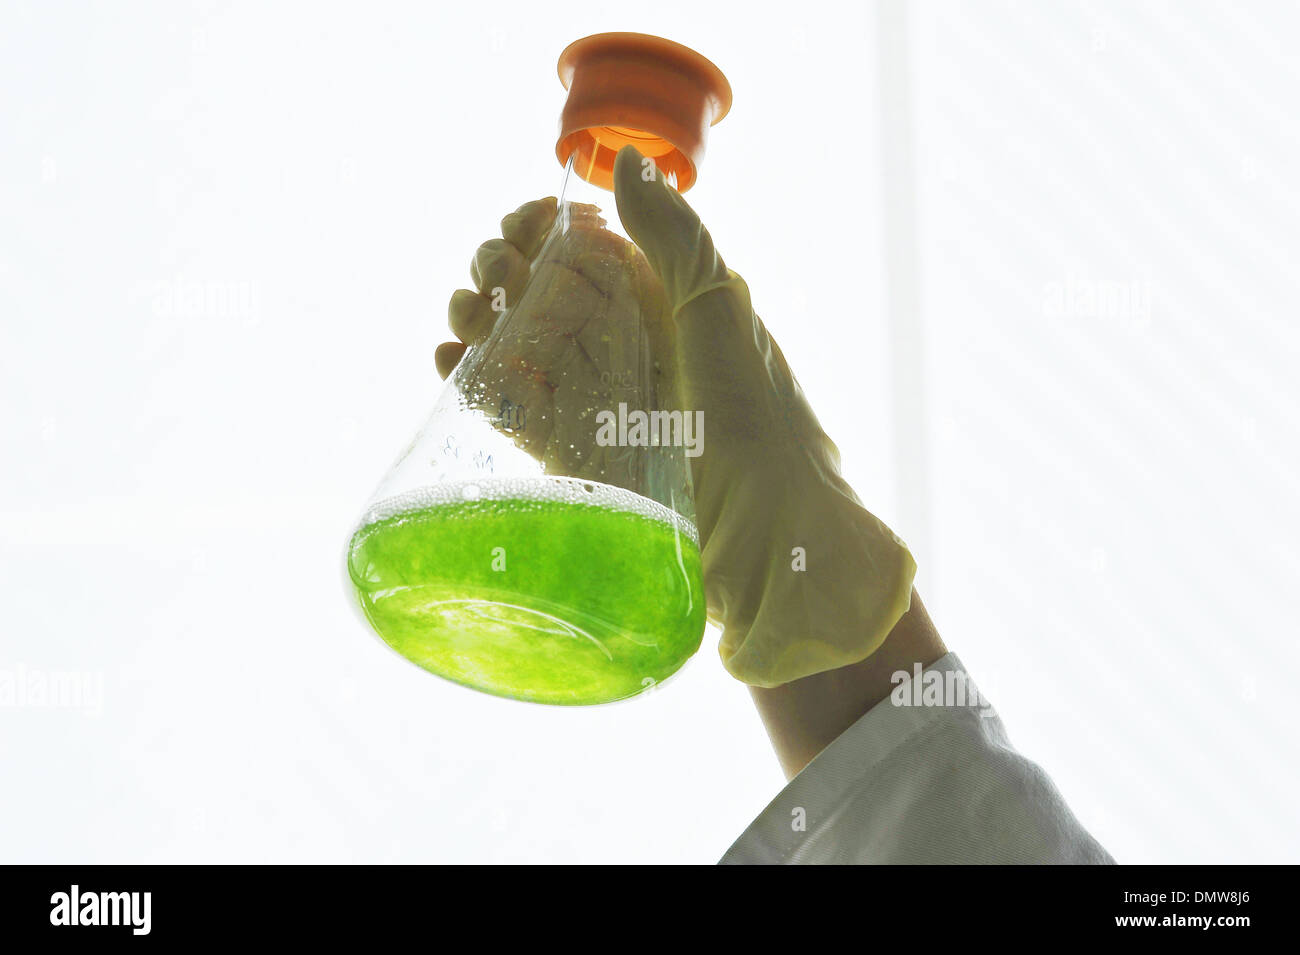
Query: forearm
x=803, y=717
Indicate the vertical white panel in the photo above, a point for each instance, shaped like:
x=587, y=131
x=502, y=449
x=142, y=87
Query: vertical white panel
x=1109, y=237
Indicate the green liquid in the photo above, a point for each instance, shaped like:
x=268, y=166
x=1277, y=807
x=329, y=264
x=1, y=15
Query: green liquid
x=563, y=592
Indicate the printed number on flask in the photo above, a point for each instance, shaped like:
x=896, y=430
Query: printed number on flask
x=513, y=417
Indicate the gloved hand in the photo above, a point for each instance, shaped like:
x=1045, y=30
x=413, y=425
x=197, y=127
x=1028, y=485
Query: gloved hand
x=768, y=480
x=574, y=343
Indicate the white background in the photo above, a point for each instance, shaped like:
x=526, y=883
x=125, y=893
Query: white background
x=228, y=232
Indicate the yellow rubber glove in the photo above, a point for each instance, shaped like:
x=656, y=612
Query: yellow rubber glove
x=798, y=574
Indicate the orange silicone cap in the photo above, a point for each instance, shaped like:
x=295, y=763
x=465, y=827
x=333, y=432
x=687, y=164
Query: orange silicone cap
x=642, y=90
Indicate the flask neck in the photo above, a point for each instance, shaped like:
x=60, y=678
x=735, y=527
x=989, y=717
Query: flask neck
x=580, y=200
x=575, y=187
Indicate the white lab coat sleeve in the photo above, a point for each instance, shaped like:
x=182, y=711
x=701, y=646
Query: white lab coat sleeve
x=930, y=783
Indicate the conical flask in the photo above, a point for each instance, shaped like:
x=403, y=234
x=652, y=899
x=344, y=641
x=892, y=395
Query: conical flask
x=537, y=539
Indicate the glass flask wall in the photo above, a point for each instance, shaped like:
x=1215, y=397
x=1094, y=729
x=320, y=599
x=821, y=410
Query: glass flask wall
x=537, y=538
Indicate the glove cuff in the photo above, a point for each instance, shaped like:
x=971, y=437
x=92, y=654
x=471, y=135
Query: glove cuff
x=824, y=592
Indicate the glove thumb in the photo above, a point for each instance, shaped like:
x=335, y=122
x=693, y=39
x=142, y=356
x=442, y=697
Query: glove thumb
x=668, y=231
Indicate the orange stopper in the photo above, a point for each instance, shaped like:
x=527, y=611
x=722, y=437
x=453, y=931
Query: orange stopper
x=640, y=90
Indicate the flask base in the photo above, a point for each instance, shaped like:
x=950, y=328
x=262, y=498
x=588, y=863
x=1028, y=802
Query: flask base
x=562, y=592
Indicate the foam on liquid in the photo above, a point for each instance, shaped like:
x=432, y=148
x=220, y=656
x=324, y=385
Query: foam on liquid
x=521, y=492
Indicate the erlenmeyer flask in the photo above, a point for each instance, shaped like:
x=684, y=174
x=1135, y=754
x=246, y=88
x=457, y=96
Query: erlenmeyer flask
x=537, y=539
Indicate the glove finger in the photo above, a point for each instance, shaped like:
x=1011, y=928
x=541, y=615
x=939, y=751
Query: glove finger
x=722, y=350
x=499, y=270
x=447, y=357
x=470, y=316
x=527, y=227
x=667, y=229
